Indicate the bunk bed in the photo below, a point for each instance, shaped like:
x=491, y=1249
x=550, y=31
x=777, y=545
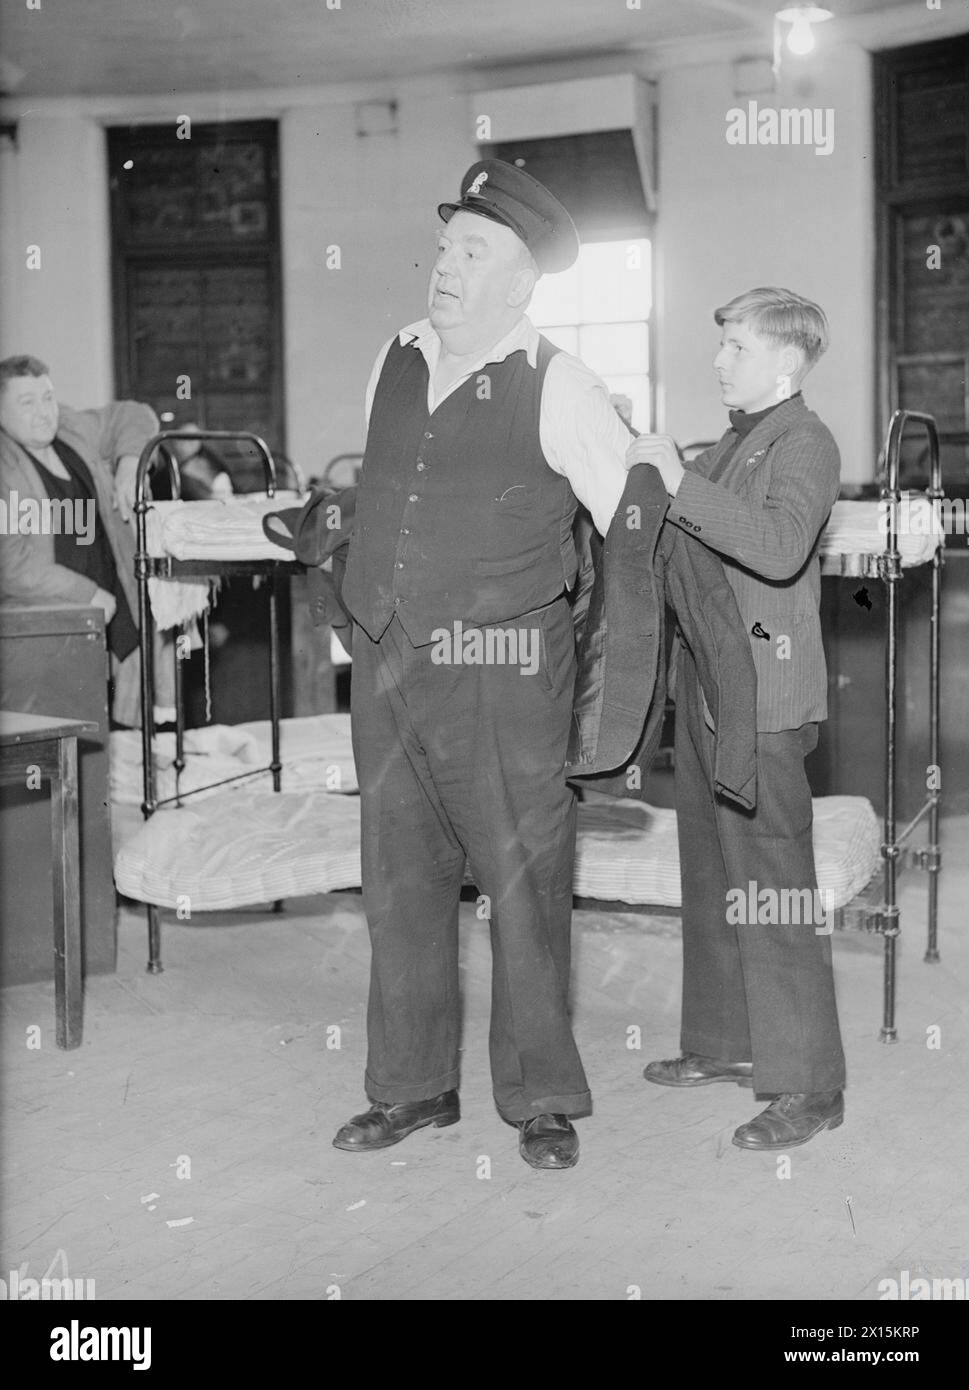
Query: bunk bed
x=228, y=833
x=888, y=566
x=202, y=565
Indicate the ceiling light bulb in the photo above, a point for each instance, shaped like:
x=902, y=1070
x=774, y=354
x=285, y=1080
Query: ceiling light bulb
x=801, y=38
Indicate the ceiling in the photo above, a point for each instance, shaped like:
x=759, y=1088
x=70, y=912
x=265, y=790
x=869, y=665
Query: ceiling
x=121, y=47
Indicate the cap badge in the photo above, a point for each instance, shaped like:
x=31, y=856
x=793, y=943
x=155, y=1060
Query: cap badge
x=475, y=187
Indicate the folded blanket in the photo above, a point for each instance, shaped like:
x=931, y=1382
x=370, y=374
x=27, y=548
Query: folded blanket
x=229, y=528
x=858, y=530
x=315, y=753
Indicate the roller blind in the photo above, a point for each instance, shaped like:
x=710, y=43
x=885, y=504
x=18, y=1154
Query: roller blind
x=595, y=175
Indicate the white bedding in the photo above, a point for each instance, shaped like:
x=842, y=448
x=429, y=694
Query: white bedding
x=859, y=529
x=315, y=753
x=240, y=848
x=253, y=846
x=627, y=851
x=228, y=528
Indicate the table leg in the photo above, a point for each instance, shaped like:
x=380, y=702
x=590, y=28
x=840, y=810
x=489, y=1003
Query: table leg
x=155, y=966
x=67, y=896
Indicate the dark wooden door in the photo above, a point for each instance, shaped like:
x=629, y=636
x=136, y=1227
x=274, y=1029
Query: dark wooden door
x=195, y=235
x=922, y=112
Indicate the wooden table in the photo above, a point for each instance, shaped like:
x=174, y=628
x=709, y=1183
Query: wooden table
x=34, y=741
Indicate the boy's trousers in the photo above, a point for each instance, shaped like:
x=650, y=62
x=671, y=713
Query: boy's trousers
x=758, y=991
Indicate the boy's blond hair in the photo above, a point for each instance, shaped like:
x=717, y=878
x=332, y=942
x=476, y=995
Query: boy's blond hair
x=782, y=317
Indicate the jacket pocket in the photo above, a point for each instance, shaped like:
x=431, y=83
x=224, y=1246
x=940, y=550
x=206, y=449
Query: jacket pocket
x=790, y=665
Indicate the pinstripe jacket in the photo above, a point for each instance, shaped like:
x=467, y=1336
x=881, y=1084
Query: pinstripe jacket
x=764, y=519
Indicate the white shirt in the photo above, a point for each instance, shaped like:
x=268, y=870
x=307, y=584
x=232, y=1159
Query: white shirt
x=581, y=435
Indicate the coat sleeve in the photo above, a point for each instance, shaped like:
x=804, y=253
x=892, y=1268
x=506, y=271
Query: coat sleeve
x=113, y=431
x=774, y=538
x=27, y=574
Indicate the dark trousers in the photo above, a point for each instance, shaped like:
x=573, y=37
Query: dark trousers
x=466, y=763
x=752, y=990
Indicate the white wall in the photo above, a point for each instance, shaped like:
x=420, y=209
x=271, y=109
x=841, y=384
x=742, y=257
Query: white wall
x=732, y=217
x=375, y=197
x=54, y=195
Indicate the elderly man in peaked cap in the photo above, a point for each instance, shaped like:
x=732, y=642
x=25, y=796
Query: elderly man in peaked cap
x=482, y=435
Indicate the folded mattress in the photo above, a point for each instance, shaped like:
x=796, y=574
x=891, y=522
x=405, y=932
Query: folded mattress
x=252, y=846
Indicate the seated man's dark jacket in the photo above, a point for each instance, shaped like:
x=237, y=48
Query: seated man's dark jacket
x=619, y=612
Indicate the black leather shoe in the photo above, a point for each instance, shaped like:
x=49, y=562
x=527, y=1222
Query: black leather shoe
x=790, y=1120
x=693, y=1070
x=549, y=1141
x=385, y=1124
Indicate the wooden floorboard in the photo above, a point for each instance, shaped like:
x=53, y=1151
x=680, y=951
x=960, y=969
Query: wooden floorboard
x=222, y=1061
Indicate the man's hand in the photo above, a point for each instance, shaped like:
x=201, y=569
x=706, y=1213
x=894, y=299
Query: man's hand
x=660, y=451
x=102, y=599
x=124, y=485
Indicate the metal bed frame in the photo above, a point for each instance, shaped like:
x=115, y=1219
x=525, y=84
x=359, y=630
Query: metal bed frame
x=889, y=569
x=882, y=916
x=147, y=567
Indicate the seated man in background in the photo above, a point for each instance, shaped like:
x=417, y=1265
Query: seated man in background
x=66, y=496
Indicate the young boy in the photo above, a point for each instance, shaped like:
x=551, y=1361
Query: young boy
x=758, y=993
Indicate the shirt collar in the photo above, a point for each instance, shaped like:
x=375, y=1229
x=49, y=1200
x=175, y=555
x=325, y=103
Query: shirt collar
x=743, y=423
x=524, y=335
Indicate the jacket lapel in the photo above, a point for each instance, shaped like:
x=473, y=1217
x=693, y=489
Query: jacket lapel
x=754, y=449
x=704, y=464
x=30, y=484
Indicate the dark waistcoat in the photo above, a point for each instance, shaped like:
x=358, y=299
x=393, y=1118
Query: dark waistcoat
x=458, y=515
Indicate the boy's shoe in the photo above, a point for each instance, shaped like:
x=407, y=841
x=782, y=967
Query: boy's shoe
x=693, y=1070
x=385, y=1124
x=792, y=1119
x=549, y=1141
